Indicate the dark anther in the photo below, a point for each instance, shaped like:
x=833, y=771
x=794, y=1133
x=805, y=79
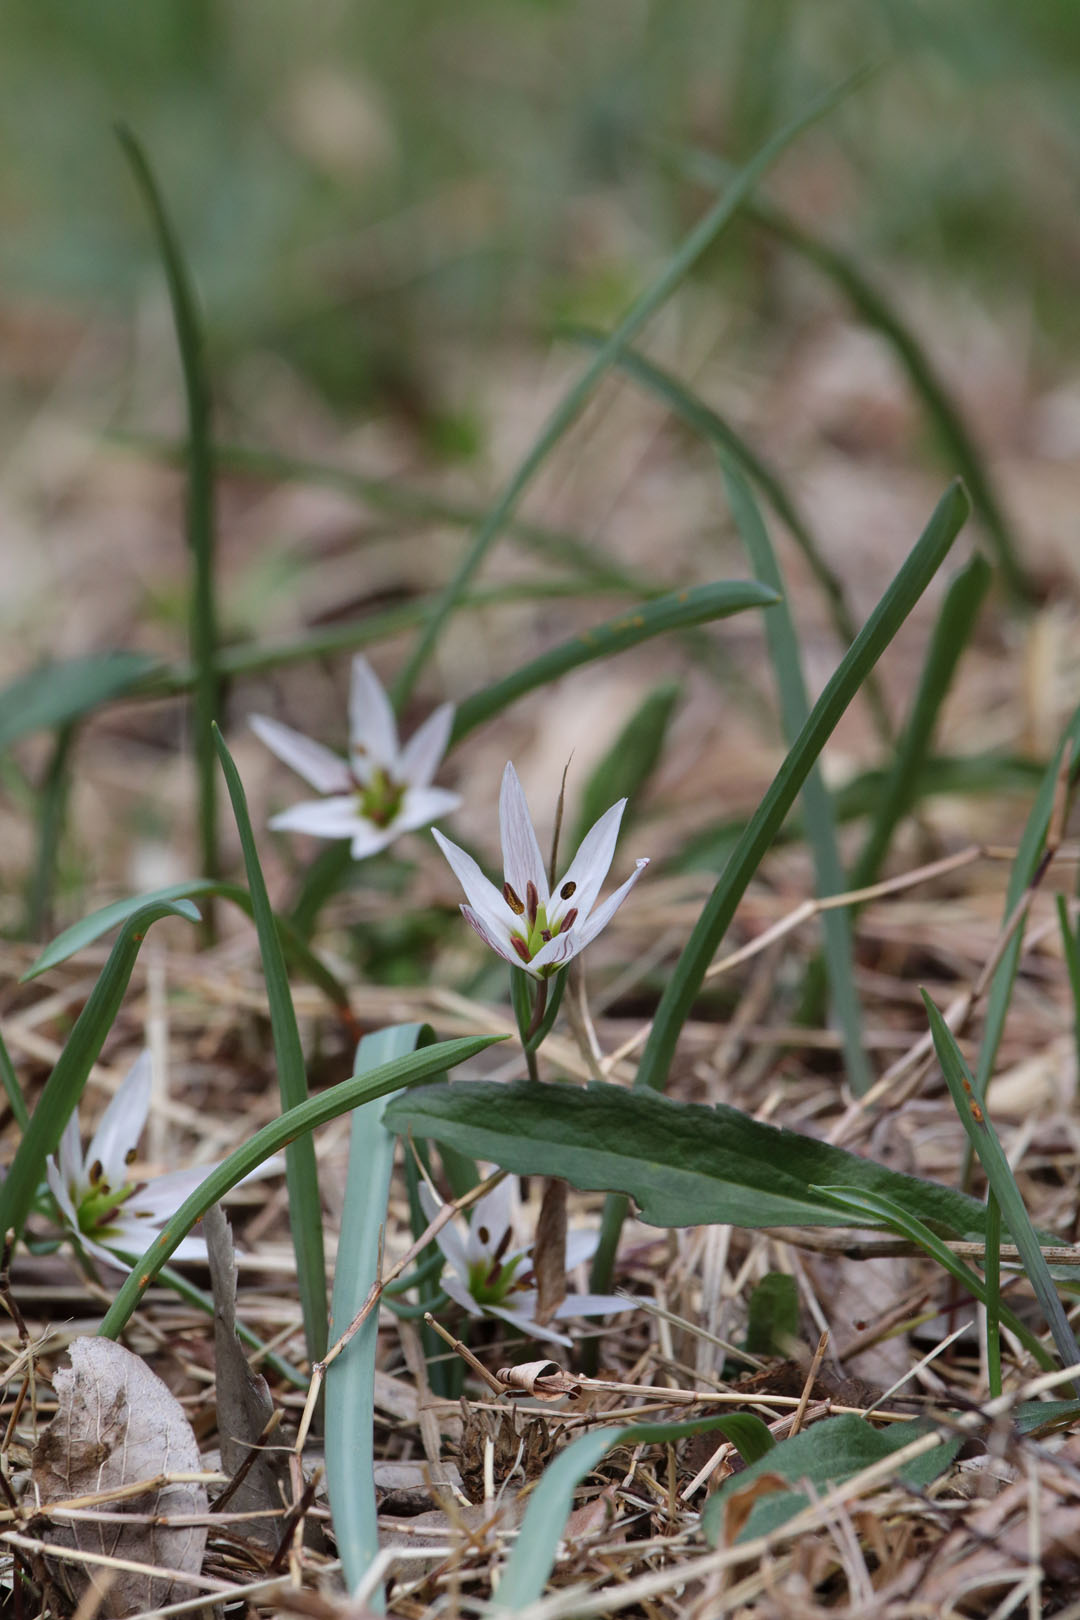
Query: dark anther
x=567, y=890
x=97, y=1170
x=504, y=1244
x=521, y=948
x=512, y=900
x=532, y=901
x=568, y=921
x=484, y=1235
x=545, y=934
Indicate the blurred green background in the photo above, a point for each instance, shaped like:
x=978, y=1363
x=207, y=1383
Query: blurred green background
x=354, y=181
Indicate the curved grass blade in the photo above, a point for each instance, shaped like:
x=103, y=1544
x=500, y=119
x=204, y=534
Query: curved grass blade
x=533, y=1558
x=81, y=1051
x=984, y=1140
x=301, y=1171
x=272, y=1138
x=707, y=422
x=952, y=631
x=677, y=610
x=52, y=805
x=350, y=1380
x=12, y=1090
x=783, y=642
x=200, y=494
x=682, y=988
x=87, y=929
x=703, y=235
x=53, y=696
x=870, y=1208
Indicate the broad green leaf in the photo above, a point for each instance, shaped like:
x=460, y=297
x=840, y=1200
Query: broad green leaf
x=569, y=408
x=202, y=615
x=678, y=610
x=350, y=1380
x=533, y=1558
x=301, y=1170
x=81, y=1051
x=984, y=1140
x=272, y=1138
x=87, y=929
x=822, y=1456
x=632, y=758
x=685, y=1164
x=55, y=695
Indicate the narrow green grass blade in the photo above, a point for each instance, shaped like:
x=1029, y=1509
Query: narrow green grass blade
x=54, y=695
x=873, y=1208
x=629, y=763
x=350, y=1381
x=12, y=1090
x=81, y=1051
x=985, y=1141
x=992, y=1271
x=272, y=1138
x=301, y=1171
x=878, y=311
x=200, y=495
x=1070, y=946
x=1028, y=858
x=952, y=631
x=87, y=929
x=678, y=610
x=682, y=987
x=783, y=643
x=533, y=1558
x=52, y=804
x=703, y=235
x=712, y=427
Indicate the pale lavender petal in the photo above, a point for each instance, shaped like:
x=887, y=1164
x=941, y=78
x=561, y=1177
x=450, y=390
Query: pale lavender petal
x=72, y=1167
x=133, y=1238
x=59, y=1189
x=450, y=1240
x=526, y=1325
x=482, y=895
x=589, y=867
x=556, y=951
x=326, y=771
x=582, y=1243
x=422, y=754
x=522, y=860
x=502, y=947
x=106, y=1256
x=459, y=1293
x=592, y=1305
x=122, y=1124
x=369, y=839
x=603, y=914
x=324, y=818
x=420, y=806
x=373, y=738
x=159, y=1199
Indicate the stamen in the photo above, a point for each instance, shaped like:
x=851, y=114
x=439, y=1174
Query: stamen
x=568, y=921
x=504, y=1244
x=512, y=900
x=545, y=935
x=567, y=890
x=521, y=948
x=131, y=1155
x=532, y=901
x=484, y=1235
x=97, y=1170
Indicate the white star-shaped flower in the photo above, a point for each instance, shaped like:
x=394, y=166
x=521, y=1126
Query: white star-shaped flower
x=382, y=789
x=110, y=1216
x=526, y=923
x=486, y=1276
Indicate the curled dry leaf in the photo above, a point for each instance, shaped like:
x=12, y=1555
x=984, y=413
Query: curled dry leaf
x=542, y=1379
x=116, y=1424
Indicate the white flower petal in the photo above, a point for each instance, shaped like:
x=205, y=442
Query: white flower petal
x=482, y=895
x=158, y=1200
x=556, y=951
x=420, y=806
x=592, y=1305
x=501, y=946
x=324, y=818
x=422, y=754
x=522, y=860
x=490, y=1219
x=589, y=867
x=526, y=1325
x=452, y=1285
x=373, y=738
x=72, y=1166
x=450, y=1240
x=603, y=914
x=326, y=771
x=122, y=1124
x=59, y=1190
x=582, y=1243
x=106, y=1256
x=368, y=839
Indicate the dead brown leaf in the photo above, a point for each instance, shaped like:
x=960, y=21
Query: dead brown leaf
x=118, y=1424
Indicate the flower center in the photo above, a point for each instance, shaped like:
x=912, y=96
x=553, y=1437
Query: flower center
x=534, y=931
x=491, y=1279
x=380, y=799
x=96, y=1206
